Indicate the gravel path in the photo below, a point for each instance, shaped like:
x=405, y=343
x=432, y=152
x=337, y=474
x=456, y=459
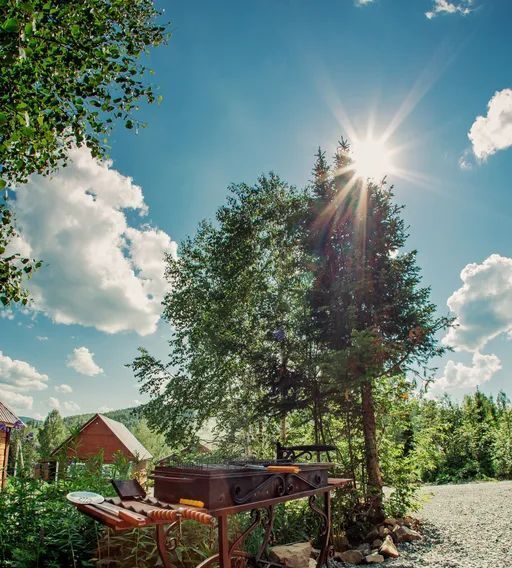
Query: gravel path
x=464, y=526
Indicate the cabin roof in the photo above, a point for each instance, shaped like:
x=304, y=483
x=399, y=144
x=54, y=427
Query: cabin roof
x=8, y=418
x=120, y=431
x=127, y=438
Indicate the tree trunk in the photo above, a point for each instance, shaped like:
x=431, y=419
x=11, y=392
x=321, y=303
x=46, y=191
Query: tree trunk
x=371, y=454
x=283, y=430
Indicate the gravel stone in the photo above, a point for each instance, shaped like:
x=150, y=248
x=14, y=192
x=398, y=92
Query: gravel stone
x=463, y=526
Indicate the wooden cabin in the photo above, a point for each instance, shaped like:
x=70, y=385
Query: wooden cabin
x=8, y=422
x=109, y=437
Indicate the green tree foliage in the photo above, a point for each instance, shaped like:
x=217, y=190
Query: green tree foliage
x=372, y=316
x=461, y=441
x=154, y=442
x=13, y=268
x=51, y=434
x=69, y=69
x=237, y=307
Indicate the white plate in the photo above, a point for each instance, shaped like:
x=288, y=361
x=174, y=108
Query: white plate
x=85, y=497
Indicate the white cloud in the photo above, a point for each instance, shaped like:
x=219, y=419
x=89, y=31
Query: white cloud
x=482, y=305
x=19, y=376
x=493, y=132
x=70, y=407
x=463, y=7
x=17, y=379
x=65, y=389
x=363, y=2
x=82, y=361
x=483, y=310
x=15, y=400
x=103, y=409
x=458, y=375
x=99, y=271
x=41, y=338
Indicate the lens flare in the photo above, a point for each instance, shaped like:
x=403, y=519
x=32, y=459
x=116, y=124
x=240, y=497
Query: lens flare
x=371, y=158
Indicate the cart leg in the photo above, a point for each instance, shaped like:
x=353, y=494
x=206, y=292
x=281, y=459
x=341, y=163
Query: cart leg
x=224, y=557
x=268, y=525
x=161, y=542
x=325, y=533
x=325, y=526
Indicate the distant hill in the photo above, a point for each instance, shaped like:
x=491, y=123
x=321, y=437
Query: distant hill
x=127, y=416
x=30, y=421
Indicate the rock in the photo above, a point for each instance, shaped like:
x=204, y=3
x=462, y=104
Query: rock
x=383, y=531
x=352, y=556
x=372, y=535
x=411, y=522
x=293, y=555
x=312, y=563
x=404, y=534
x=390, y=521
x=315, y=553
x=377, y=543
x=388, y=548
x=374, y=558
x=365, y=549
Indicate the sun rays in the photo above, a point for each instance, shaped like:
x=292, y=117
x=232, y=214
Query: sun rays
x=372, y=158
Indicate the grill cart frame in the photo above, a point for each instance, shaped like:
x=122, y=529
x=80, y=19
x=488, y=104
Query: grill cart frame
x=230, y=554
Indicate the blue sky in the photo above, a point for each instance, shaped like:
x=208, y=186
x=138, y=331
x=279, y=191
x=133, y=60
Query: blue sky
x=250, y=87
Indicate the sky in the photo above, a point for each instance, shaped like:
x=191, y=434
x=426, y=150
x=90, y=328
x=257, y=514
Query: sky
x=250, y=87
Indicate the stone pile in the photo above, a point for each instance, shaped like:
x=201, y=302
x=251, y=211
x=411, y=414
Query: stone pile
x=380, y=543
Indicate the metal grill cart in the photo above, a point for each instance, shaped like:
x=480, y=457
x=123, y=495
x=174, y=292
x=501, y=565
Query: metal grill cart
x=210, y=493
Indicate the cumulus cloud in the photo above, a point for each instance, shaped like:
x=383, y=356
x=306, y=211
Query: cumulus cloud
x=458, y=375
x=482, y=305
x=19, y=375
x=463, y=7
x=99, y=271
x=363, y=2
x=68, y=407
x=493, y=132
x=82, y=361
x=65, y=389
x=16, y=400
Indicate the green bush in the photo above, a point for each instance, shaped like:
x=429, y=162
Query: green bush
x=39, y=527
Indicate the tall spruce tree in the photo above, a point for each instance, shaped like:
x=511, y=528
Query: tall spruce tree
x=370, y=312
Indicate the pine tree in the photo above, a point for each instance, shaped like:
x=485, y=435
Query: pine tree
x=370, y=312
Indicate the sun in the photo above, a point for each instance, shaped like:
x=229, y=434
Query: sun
x=371, y=158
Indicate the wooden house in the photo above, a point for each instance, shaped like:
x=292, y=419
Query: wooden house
x=104, y=435
x=8, y=422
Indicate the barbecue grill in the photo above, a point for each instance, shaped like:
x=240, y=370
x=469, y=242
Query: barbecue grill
x=224, y=485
